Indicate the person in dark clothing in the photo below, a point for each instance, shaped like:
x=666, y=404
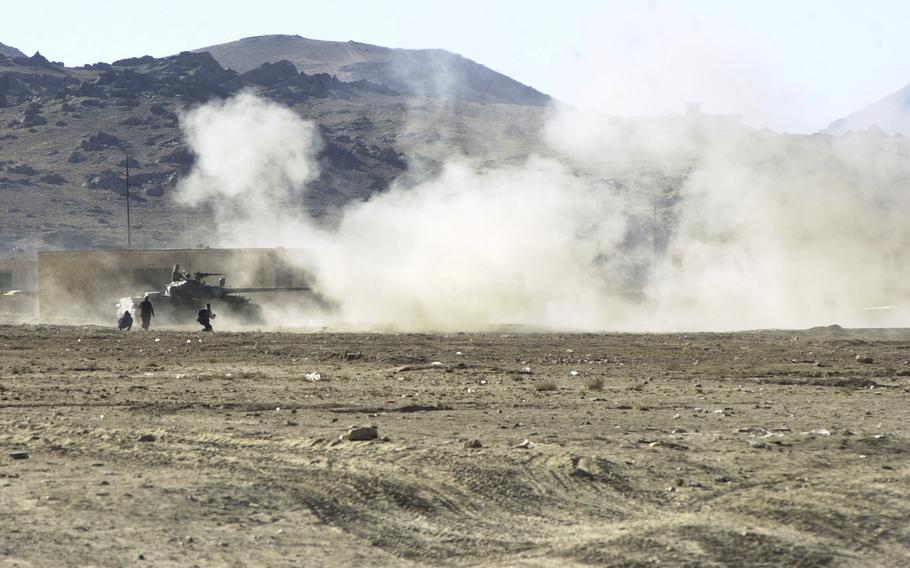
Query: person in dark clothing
x=205, y=317
x=125, y=321
x=146, y=312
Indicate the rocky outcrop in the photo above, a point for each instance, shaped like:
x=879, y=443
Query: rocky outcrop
x=10, y=51
x=271, y=74
x=53, y=179
x=101, y=141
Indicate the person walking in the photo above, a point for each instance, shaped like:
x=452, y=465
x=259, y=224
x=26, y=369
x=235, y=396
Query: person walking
x=146, y=312
x=205, y=317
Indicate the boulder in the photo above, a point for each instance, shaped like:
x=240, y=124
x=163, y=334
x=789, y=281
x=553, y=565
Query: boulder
x=133, y=163
x=362, y=433
x=21, y=169
x=101, y=141
x=53, y=179
x=271, y=74
x=106, y=180
x=32, y=120
x=133, y=61
x=393, y=158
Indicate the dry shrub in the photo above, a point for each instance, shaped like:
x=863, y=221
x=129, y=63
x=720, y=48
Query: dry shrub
x=594, y=384
x=545, y=386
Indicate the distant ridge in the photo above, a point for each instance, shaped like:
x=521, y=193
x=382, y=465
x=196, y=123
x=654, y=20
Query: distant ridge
x=10, y=51
x=426, y=72
x=890, y=115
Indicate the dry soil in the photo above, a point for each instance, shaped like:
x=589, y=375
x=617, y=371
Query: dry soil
x=176, y=448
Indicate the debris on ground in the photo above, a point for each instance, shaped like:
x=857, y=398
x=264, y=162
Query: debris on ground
x=361, y=433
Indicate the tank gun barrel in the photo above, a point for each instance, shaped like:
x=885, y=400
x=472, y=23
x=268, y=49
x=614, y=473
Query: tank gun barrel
x=269, y=289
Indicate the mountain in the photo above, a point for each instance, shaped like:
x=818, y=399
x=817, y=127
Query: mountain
x=427, y=72
x=64, y=132
x=10, y=51
x=890, y=115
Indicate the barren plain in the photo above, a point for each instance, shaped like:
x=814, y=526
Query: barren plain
x=176, y=448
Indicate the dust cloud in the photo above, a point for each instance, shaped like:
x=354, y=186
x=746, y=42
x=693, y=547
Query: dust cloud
x=686, y=222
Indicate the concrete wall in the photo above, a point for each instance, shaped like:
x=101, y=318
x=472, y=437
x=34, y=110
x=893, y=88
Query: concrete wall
x=84, y=286
x=23, y=275
x=24, y=272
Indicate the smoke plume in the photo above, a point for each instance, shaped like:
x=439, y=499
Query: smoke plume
x=690, y=222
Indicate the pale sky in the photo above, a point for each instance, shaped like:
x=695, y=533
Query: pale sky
x=790, y=65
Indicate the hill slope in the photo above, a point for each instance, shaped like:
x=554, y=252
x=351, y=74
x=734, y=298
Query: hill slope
x=10, y=51
x=891, y=115
x=64, y=132
x=427, y=72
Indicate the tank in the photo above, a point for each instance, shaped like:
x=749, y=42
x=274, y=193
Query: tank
x=186, y=294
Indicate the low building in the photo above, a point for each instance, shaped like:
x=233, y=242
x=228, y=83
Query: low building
x=18, y=288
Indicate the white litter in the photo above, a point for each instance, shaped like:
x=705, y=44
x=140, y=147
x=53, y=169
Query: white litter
x=573, y=373
x=313, y=377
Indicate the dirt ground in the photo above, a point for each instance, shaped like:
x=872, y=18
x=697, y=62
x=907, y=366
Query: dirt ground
x=174, y=448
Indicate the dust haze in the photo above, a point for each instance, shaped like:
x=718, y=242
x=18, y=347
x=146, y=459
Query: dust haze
x=686, y=222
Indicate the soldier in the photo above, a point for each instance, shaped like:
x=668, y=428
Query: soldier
x=146, y=312
x=205, y=316
x=125, y=322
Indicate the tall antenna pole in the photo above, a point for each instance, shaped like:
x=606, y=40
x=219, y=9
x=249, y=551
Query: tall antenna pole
x=654, y=223
x=129, y=236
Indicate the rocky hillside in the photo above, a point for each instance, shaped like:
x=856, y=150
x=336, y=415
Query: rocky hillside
x=890, y=115
x=428, y=72
x=65, y=134
x=10, y=51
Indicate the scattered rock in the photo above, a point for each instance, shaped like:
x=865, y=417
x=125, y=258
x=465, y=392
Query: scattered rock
x=758, y=444
x=525, y=444
x=53, y=179
x=864, y=359
x=147, y=438
x=19, y=455
x=101, y=141
x=23, y=169
x=361, y=434
x=475, y=443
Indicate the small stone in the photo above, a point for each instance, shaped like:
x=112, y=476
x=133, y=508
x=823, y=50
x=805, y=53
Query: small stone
x=147, y=438
x=361, y=434
x=21, y=455
x=525, y=444
x=475, y=443
x=753, y=443
x=864, y=359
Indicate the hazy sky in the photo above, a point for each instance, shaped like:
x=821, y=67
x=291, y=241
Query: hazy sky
x=791, y=65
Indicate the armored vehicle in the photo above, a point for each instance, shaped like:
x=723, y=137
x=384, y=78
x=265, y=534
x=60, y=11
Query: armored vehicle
x=186, y=294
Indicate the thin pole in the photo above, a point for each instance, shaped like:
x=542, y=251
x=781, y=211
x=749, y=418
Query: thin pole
x=129, y=236
x=654, y=224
